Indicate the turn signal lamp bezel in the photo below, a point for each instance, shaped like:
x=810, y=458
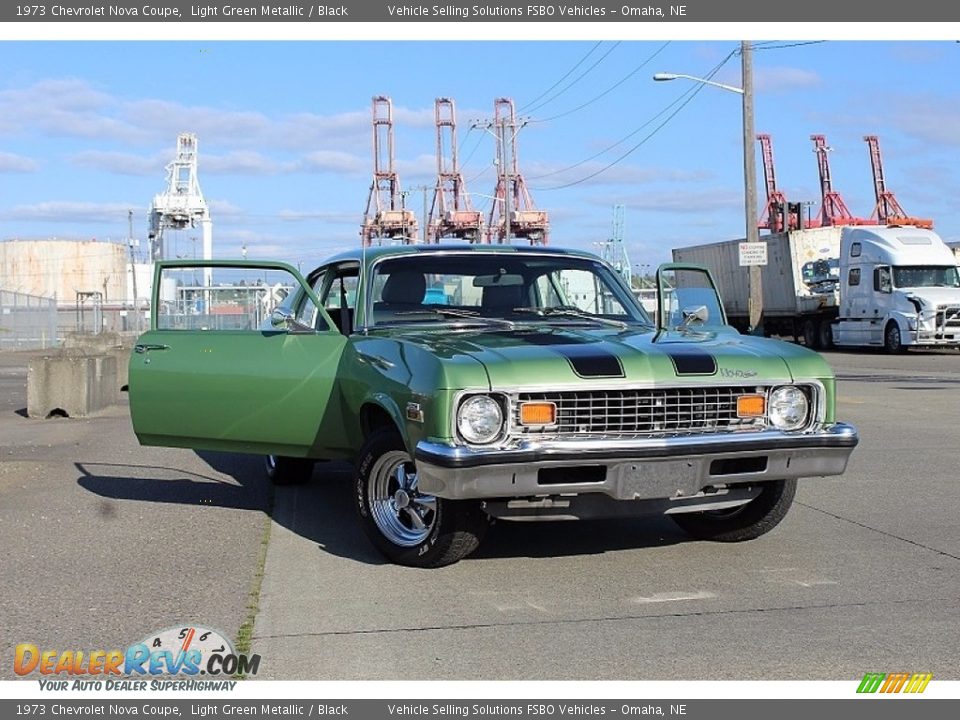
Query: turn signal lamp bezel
x=538, y=414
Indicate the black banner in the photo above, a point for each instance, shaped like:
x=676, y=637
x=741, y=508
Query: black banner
x=875, y=709
x=656, y=11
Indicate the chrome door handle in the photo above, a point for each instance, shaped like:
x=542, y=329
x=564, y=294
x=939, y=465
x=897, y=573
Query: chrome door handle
x=142, y=348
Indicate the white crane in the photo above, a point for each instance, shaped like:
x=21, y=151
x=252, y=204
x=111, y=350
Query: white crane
x=181, y=205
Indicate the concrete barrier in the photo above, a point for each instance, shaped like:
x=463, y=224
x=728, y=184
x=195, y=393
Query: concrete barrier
x=117, y=345
x=72, y=383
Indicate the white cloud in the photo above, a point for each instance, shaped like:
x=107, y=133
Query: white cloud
x=333, y=161
x=547, y=176
x=11, y=163
x=784, y=79
x=928, y=118
x=74, y=108
x=72, y=212
x=688, y=202
x=121, y=163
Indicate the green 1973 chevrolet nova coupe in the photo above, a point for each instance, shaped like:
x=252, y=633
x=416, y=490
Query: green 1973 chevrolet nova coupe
x=479, y=382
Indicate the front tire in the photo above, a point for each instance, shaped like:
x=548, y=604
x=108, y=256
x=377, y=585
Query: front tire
x=287, y=470
x=892, y=341
x=747, y=522
x=407, y=526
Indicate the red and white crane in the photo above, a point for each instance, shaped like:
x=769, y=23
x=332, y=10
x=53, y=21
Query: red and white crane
x=887, y=210
x=513, y=214
x=451, y=212
x=776, y=210
x=833, y=210
x=385, y=216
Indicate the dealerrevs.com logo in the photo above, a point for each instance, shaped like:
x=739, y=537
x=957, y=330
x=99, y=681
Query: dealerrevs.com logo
x=183, y=652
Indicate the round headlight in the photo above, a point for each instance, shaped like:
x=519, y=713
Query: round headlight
x=788, y=408
x=479, y=419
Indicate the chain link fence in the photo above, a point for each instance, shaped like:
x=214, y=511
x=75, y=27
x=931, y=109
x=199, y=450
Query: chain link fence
x=27, y=322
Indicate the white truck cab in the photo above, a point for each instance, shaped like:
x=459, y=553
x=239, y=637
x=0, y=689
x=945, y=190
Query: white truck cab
x=899, y=288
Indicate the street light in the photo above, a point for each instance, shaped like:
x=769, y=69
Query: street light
x=660, y=77
x=749, y=170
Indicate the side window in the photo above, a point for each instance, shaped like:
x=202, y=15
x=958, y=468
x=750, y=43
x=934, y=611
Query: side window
x=241, y=298
x=881, y=280
x=547, y=293
x=853, y=279
x=855, y=250
x=339, y=296
x=306, y=312
x=341, y=293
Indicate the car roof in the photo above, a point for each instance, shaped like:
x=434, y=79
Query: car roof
x=377, y=252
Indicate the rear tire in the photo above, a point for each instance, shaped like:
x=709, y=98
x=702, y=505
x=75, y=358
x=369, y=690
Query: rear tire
x=747, y=522
x=811, y=333
x=407, y=526
x=287, y=470
x=825, y=334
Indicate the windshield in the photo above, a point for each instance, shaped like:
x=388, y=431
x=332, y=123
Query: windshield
x=488, y=288
x=914, y=276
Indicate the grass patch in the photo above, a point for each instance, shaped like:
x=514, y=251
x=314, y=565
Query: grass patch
x=244, y=637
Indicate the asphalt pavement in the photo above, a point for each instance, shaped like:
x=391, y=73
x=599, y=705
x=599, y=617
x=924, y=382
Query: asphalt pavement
x=107, y=541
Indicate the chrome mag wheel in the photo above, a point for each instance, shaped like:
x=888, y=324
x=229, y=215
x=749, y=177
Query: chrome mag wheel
x=403, y=514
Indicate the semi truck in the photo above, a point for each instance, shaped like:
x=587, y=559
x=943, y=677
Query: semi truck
x=889, y=286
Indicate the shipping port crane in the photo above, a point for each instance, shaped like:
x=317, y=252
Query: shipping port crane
x=181, y=204
x=833, y=210
x=614, y=250
x=887, y=211
x=778, y=215
x=385, y=216
x=512, y=214
x=451, y=212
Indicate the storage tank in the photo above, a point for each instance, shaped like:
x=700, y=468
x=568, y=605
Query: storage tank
x=62, y=268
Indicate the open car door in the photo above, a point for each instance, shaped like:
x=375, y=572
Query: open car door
x=239, y=357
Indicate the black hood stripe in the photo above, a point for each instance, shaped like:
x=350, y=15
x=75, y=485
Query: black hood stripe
x=692, y=362
x=588, y=359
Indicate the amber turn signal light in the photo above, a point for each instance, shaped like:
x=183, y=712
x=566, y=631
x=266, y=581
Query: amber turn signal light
x=533, y=413
x=751, y=406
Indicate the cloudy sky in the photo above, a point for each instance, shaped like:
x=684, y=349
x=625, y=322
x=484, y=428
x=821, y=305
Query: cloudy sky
x=86, y=129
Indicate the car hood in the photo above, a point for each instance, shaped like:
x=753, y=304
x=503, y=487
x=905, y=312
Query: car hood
x=539, y=356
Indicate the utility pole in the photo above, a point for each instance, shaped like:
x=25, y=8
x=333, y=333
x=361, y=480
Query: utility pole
x=508, y=186
x=133, y=272
x=750, y=186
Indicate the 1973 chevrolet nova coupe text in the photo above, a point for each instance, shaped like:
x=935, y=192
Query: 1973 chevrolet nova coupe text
x=479, y=382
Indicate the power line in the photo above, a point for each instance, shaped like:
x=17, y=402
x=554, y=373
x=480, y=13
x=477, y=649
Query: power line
x=689, y=97
x=788, y=45
x=686, y=93
x=608, y=90
x=575, y=80
x=568, y=73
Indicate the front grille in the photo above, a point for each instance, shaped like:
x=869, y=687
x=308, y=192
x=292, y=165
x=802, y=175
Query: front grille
x=616, y=413
x=948, y=316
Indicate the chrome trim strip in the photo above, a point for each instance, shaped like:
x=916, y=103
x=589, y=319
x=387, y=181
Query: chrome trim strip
x=838, y=435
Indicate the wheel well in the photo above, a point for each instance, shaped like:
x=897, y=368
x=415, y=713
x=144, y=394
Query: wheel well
x=373, y=417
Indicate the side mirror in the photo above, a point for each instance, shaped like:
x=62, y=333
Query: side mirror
x=686, y=294
x=697, y=313
x=280, y=319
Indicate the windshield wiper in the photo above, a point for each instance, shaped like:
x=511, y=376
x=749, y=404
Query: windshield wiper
x=570, y=311
x=466, y=314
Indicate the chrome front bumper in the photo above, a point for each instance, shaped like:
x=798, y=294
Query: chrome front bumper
x=636, y=469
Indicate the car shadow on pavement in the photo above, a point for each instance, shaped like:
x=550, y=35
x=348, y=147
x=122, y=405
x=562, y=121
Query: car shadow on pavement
x=578, y=537
x=322, y=512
